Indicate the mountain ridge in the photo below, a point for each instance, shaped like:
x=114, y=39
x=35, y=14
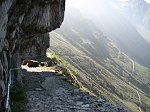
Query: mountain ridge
x=78, y=61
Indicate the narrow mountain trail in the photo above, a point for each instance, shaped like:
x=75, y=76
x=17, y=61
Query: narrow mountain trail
x=119, y=53
x=133, y=66
x=139, y=100
x=49, y=92
x=139, y=97
x=133, y=70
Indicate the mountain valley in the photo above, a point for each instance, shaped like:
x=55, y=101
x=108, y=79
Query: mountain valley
x=106, y=68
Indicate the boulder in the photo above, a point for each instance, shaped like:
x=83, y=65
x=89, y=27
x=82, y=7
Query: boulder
x=51, y=62
x=32, y=63
x=25, y=62
x=43, y=64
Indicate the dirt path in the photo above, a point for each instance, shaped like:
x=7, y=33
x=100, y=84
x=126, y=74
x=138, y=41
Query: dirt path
x=119, y=53
x=133, y=66
x=139, y=100
x=139, y=97
x=48, y=92
x=133, y=70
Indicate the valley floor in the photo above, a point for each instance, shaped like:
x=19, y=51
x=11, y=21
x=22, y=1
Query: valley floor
x=49, y=92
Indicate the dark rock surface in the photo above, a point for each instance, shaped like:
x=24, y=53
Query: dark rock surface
x=35, y=48
x=24, y=25
x=33, y=63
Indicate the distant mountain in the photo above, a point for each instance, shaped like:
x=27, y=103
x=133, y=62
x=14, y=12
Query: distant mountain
x=146, y=19
x=138, y=12
x=124, y=32
x=101, y=54
x=134, y=9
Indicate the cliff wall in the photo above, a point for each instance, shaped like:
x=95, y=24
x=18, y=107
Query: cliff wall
x=24, y=25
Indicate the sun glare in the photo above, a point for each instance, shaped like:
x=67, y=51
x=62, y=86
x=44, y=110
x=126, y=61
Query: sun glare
x=147, y=1
x=76, y=3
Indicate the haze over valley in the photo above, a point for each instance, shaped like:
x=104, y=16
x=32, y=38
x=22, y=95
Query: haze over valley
x=107, y=42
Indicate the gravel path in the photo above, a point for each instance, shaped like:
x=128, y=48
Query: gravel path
x=48, y=92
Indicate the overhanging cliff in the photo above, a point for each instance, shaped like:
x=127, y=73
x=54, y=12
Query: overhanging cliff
x=23, y=24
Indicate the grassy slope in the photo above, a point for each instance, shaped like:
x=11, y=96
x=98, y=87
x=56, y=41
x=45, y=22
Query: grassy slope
x=107, y=78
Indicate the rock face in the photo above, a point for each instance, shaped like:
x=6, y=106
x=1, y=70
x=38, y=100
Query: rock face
x=35, y=48
x=23, y=32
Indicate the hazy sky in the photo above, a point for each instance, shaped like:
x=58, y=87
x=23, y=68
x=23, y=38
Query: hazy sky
x=85, y=4
x=92, y=5
x=147, y=1
x=144, y=0
x=81, y=3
